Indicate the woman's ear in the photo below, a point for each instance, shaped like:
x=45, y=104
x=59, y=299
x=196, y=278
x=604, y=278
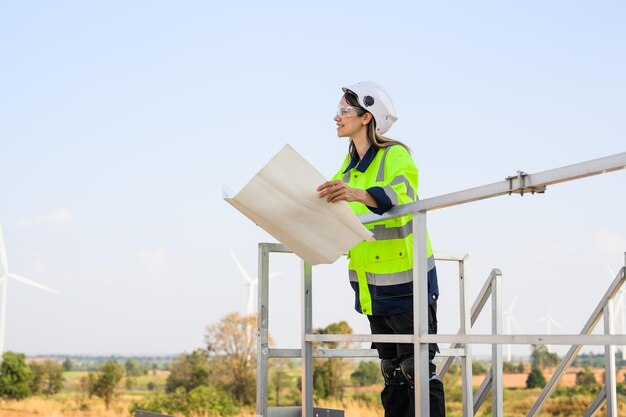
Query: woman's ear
x=367, y=117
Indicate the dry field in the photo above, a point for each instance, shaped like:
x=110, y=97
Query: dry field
x=517, y=401
x=568, y=380
x=62, y=406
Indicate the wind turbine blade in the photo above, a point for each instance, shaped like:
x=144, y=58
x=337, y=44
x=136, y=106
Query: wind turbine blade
x=512, y=306
x=613, y=275
x=557, y=324
x=541, y=320
x=33, y=283
x=519, y=328
x=3, y=254
x=250, y=306
x=275, y=274
x=243, y=271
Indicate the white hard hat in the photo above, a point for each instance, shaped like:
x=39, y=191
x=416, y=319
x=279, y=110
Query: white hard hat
x=373, y=98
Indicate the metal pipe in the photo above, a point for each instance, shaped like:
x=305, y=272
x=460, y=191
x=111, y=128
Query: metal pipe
x=482, y=392
x=420, y=316
x=596, y=404
x=540, y=179
x=479, y=339
x=453, y=257
x=307, y=345
x=262, y=331
x=496, y=350
x=467, y=392
x=609, y=363
x=477, y=307
x=346, y=353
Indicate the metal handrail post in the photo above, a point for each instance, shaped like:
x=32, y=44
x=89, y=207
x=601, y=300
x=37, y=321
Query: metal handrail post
x=420, y=316
x=307, y=347
x=477, y=307
x=496, y=349
x=474, y=400
x=467, y=393
x=488, y=290
x=262, y=331
x=622, y=319
x=609, y=363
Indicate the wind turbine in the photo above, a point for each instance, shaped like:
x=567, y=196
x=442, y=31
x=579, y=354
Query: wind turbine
x=250, y=283
x=549, y=322
x=4, y=279
x=510, y=319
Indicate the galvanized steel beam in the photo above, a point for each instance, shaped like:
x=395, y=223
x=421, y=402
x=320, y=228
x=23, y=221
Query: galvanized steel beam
x=515, y=185
x=478, y=339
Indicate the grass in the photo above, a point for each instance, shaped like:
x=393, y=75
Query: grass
x=517, y=403
x=139, y=385
x=357, y=401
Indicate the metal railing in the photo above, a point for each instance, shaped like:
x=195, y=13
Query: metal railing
x=493, y=377
x=467, y=318
x=608, y=393
x=520, y=184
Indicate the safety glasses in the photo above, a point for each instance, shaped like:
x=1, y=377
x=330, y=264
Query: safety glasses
x=347, y=111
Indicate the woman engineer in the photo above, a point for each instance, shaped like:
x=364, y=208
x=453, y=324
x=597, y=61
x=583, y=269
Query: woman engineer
x=377, y=174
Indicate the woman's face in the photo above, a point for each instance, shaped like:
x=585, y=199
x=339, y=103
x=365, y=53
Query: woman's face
x=348, y=123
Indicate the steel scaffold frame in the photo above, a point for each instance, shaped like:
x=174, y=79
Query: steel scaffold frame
x=520, y=184
x=466, y=317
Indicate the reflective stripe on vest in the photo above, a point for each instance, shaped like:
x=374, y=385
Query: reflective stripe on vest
x=382, y=232
x=381, y=169
x=384, y=280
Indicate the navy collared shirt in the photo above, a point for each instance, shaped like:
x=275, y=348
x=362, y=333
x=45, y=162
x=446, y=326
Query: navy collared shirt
x=382, y=201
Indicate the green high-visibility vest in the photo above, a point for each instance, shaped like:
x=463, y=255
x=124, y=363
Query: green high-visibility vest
x=381, y=272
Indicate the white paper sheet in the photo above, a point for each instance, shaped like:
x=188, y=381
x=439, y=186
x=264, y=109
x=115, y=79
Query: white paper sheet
x=282, y=199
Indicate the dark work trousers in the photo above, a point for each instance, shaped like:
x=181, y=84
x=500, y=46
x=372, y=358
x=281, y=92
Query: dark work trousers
x=399, y=398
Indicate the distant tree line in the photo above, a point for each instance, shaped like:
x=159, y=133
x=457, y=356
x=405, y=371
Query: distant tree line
x=146, y=364
x=19, y=380
x=217, y=379
x=223, y=373
x=596, y=360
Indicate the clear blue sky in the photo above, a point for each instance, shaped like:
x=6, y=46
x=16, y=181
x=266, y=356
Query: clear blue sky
x=120, y=121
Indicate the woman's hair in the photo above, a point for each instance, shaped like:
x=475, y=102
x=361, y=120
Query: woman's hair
x=376, y=140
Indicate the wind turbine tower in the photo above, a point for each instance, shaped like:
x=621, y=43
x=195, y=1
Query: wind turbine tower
x=549, y=321
x=510, y=319
x=4, y=279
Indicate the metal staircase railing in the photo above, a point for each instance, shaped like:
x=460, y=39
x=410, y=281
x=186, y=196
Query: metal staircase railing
x=604, y=310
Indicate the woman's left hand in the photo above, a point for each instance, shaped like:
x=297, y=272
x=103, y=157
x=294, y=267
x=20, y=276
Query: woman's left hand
x=338, y=190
